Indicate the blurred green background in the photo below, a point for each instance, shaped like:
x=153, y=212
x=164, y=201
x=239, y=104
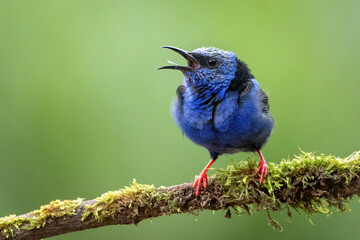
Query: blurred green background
x=83, y=111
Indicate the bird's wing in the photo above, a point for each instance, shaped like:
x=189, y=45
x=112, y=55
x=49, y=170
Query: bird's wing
x=225, y=111
x=264, y=101
x=178, y=106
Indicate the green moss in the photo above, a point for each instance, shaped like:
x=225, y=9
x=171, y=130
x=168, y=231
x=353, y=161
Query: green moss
x=298, y=183
x=289, y=177
x=135, y=196
x=9, y=223
x=37, y=218
x=54, y=209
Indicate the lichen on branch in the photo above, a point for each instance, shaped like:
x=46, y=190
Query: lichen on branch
x=313, y=184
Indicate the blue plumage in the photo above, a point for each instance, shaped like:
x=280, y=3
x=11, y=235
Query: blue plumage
x=220, y=106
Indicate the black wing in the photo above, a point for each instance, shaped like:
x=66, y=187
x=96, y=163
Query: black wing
x=242, y=81
x=180, y=93
x=264, y=101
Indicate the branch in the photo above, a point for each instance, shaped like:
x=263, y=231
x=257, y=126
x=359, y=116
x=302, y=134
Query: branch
x=310, y=183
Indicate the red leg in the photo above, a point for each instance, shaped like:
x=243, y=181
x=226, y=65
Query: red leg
x=202, y=177
x=262, y=168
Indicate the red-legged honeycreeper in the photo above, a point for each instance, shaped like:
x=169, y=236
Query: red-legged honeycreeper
x=220, y=106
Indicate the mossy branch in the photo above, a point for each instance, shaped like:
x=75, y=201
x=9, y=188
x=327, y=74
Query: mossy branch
x=310, y=183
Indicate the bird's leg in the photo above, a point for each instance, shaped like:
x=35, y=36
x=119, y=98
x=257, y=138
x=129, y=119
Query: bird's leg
x=262, y=168
x=203, y=177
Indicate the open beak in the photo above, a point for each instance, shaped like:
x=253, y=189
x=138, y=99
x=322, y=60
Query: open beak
x=193, y=63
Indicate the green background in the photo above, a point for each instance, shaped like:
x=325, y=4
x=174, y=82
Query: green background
x=83, y=111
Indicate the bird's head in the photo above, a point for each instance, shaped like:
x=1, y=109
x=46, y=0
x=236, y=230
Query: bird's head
x=210, y=67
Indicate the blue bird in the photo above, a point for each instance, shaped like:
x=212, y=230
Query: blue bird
x=220, y=106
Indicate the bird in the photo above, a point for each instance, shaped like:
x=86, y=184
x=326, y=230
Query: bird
x=220, y=106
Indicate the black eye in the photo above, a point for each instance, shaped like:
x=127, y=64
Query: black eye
x=212, y=62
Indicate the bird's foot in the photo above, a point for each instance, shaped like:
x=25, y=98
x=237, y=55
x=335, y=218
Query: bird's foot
x=202, y=178
x=262, y=169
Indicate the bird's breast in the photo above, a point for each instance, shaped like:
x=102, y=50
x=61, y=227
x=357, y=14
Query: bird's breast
x=226, y=126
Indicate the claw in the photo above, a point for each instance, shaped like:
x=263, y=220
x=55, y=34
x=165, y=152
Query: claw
x=262, y=168
x=202, y=178
x=205, y=182
x=196, y=182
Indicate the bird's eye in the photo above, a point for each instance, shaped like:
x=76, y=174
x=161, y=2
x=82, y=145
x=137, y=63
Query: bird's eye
x=212, y=62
